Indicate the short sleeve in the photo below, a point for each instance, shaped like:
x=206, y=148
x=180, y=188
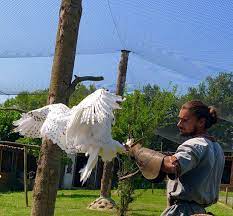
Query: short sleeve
x=190, y=153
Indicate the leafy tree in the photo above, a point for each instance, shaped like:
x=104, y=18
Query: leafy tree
x=143, y=112
x=28, y=100
x=217, y=91
x=6, y=119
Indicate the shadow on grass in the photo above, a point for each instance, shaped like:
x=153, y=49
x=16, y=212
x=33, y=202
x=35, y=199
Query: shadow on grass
x=77, y=196
x=143, y=214
x=135, y=212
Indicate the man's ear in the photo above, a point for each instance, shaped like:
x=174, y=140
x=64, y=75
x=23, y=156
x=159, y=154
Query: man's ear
x=202, y=122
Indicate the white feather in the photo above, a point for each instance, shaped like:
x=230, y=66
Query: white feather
x=84, y=128
x=92, y=160
x=30, y=123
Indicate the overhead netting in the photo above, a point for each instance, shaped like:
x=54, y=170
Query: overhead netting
x=189, y=39
x=179, y=41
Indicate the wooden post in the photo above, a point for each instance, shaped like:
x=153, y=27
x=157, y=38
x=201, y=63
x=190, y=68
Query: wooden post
x=161, y=146
x=16, y=161
x=12, y=161
x=231, y=176
x=122, y=70
x=1, y=160
x=226, y=199
x=106, y=180
x=232, y=203
x=96, y=172
x=25, y=175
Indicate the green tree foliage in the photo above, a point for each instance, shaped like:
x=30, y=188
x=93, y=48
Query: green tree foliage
x=6, y=119
x=143, y=112
x=28, y=100
x=80, y=93
x=217, y=91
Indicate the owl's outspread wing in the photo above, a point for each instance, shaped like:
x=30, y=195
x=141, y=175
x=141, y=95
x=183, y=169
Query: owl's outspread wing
x=49, y=121
x=89, y=128
x=95, y=108
x=54, y=127
x=30, y=123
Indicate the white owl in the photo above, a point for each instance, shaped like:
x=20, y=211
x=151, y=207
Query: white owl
x=84, y=128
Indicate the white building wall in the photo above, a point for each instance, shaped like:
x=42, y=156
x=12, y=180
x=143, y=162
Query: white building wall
x=69, y=173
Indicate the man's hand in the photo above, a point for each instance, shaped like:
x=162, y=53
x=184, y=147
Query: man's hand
x=128, y=145
x=148, y=160
x=170, y=165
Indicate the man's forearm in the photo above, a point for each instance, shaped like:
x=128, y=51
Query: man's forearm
x=170, y=165
x=151, y=162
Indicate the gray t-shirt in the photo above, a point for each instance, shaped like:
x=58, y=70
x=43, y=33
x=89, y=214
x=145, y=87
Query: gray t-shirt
x=202, y=163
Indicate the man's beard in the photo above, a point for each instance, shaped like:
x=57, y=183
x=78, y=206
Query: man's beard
x=189, y=134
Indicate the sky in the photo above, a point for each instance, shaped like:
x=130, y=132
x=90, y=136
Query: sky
x=170, y=41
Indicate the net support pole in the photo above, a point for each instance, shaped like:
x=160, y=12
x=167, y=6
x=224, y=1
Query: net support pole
x=106, y=180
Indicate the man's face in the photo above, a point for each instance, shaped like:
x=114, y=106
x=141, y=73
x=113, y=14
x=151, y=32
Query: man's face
x=188, y=124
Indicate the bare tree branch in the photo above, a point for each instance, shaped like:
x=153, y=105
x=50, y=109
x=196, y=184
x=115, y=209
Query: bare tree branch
x=78, y=79
x=129, y=175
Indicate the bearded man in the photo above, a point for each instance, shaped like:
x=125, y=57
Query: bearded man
x=195, y=170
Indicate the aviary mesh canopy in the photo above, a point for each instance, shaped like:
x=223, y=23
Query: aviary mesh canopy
x=192, y=38
x=180, y=41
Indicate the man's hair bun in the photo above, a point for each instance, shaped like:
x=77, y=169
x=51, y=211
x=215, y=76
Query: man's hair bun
x=213, y=116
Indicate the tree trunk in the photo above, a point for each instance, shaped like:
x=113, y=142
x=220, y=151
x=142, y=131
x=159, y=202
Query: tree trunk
x=48, y=171
x=105, y=201
x=106, y=180
x=122, y=70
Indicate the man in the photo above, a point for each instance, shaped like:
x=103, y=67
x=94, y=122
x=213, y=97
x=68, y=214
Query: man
x=195, y=170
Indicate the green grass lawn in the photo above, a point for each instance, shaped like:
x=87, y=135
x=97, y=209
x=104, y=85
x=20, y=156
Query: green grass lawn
x=74, y=202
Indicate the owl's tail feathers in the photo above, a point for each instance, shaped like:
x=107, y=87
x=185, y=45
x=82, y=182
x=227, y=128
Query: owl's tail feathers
x=28, y=126
x=92, y=160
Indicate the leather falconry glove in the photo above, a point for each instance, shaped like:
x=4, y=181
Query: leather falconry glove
x=148, y=160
